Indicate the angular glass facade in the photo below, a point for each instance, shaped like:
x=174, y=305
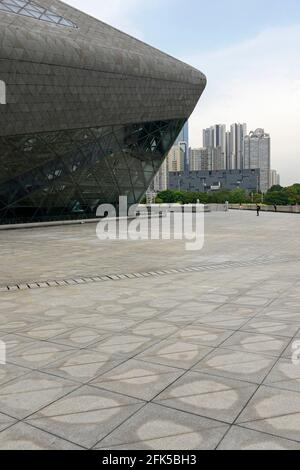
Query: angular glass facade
x=32, y=10
x=67, y=174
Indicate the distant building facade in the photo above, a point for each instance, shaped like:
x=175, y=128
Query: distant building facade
x=205, y=181
x=227, y=147
x=236, y=150
x=160, y=182
x=176, y=159
x=214, y=138
x=182, y=141
x=217, y=158
x=257, y=154
x=274, y=178
x=200, y=159
x=235, y=155
x=184, y=135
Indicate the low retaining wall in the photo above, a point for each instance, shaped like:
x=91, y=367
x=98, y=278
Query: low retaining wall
x=166, y=208
x=217, y=207
x=252, y=207
x=157, y=210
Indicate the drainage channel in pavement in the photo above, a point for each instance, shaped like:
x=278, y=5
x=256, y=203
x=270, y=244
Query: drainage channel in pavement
x=118, y=277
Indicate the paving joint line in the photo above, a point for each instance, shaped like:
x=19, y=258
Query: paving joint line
x=124, y=276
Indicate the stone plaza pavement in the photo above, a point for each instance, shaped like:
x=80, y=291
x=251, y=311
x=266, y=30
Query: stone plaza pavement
x=178, y=350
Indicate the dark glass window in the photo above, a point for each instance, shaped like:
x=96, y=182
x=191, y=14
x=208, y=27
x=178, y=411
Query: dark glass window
x=32, y=10
x=68, y=174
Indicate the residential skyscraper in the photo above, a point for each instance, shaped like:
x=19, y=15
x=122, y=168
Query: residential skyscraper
x=231, y=143
x=176, y=159
x=184, y=134
x=215, y=138
x=201, y=159
x=274, y=178
x=207, y=137
x=235, y=158
x=219, y=131
x=228, y=147
x=183, y=141
x=195, y=159
x=257, y=154
x=217, y=159
x=160, y=182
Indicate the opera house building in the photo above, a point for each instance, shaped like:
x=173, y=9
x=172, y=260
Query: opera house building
x=87, y=113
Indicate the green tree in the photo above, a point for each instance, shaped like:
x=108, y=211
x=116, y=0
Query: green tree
x=238, y=196
x=256, y=198
x=276, y=197
x=276, y=188
x=170, y=197
x=293, y=193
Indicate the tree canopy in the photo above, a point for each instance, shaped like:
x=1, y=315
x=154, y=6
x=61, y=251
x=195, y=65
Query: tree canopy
x=276, y=195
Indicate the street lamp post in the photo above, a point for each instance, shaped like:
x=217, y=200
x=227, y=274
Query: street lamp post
x=179, y=182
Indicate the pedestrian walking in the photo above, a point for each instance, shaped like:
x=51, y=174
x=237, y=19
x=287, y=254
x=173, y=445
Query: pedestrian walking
x=258, y=209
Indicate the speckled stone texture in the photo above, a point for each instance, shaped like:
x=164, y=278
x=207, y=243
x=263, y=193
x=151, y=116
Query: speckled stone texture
x=67, y=78
x=185, y=360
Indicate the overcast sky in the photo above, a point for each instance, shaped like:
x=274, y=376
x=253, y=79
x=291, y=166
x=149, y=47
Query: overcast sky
x=250, y=53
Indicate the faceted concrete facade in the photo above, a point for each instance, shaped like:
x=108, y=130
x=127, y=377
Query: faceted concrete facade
x=90, y=112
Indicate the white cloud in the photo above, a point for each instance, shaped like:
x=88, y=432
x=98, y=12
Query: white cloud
x=257, y=82
x=117, y=13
